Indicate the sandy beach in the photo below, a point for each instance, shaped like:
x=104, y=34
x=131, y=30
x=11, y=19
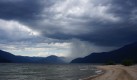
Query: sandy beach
x=116, y=72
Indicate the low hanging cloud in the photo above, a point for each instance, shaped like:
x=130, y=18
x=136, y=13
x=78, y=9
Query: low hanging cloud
x=14, y=31
x=83, y=48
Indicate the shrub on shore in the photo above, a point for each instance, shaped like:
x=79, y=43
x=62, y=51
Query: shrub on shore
x=110, y=63
x=127, y=62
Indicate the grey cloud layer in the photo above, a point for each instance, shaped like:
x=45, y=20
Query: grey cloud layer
x=22, y=10
x=104, y=23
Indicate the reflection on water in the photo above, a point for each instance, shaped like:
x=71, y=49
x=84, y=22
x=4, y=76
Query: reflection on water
x=45, y=72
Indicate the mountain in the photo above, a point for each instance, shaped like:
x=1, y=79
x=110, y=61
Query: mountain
x=6, y=57
x=128, y=52
x=2, y=57
x=52, y=59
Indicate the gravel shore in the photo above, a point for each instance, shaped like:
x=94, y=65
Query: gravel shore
x=116, y=72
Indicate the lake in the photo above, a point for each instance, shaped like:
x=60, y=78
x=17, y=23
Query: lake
x=13, y=71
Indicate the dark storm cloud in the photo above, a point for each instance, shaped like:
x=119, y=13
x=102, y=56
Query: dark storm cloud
x=121, y=32
x=16, y=15
x=105, y=32
x=112, y=34
x=107, y=23
x=22, y=10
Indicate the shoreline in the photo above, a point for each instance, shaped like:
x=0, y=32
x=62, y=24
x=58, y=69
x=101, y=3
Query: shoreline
x=115, y=72
x=103, y=71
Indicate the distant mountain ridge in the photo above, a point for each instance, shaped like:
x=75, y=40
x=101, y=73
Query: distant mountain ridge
x=128, y=52
x=6, y=57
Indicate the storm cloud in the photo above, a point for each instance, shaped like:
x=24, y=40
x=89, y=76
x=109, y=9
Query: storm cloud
x=107, y=23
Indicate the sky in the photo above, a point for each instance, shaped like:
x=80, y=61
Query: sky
x=70, y=28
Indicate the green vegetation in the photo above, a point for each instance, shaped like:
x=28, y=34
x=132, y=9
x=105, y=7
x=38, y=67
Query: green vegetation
x=110, y=63
x=127, y=62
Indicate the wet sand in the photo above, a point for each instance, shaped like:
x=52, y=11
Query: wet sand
x=116, y=72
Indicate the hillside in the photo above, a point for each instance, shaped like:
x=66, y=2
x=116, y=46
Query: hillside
x=128, y=52
x=6, y=57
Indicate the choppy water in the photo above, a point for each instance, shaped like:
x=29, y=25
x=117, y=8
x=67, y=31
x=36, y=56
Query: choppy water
x=45, y=72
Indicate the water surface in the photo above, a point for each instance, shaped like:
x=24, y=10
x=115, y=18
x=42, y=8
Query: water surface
x=46, y=71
